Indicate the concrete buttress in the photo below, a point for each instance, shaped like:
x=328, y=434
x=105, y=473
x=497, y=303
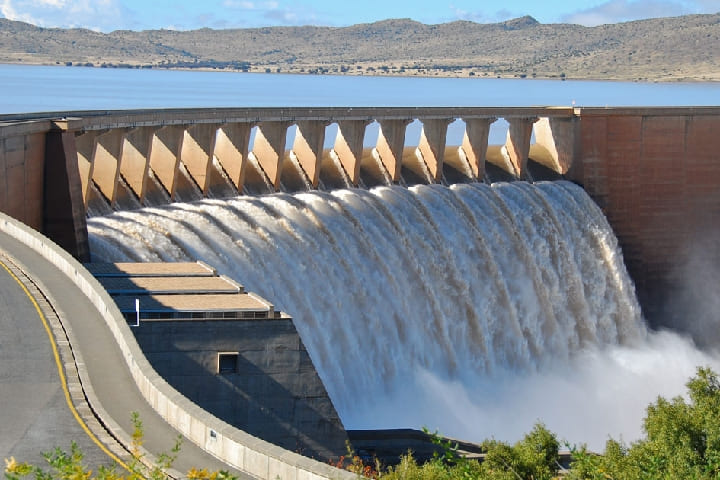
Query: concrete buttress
x=231, y=150
x=308, y=147
x=269, y=148
x=390, y=145
x=349, y=146
x=517, y=146
x=85, y=145
x=558, y=137
x=197, y=150
x=432, y=144
x=106, y=162
x=135, y=164
x=63, y=206
x=165, y=156
x=475, y=143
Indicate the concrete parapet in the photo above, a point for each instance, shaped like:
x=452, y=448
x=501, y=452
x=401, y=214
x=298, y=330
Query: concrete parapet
x=240, y=450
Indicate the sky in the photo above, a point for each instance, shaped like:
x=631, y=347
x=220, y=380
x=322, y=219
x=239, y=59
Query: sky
x=109, y=15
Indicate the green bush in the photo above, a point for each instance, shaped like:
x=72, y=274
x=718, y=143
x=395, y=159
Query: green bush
x=70, y=466
x=682, y=441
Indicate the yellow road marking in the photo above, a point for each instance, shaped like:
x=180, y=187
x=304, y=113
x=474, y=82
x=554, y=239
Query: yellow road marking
x=61, y=372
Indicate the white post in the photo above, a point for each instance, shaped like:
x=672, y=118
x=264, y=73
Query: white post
x=137, y=312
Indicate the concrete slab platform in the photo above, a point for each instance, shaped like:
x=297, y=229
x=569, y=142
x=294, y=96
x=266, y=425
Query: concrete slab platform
x=150, y=269
x=144, y=285
x=194, y=303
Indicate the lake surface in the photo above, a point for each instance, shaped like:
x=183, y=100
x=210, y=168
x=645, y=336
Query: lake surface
x=45, y=88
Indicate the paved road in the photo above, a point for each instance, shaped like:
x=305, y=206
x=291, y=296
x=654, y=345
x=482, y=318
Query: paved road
x=35, y=416
x=25, y=374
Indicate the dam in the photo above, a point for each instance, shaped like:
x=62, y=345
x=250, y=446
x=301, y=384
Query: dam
x=361, y=214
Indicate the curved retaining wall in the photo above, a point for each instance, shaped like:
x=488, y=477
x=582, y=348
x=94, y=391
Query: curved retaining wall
x=235, y=447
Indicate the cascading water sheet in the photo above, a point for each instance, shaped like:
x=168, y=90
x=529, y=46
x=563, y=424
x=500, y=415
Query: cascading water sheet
x=393, y=289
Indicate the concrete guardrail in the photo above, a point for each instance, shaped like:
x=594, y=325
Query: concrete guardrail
x=233, y=446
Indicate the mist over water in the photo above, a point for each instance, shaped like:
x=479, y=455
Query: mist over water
x=476, y=310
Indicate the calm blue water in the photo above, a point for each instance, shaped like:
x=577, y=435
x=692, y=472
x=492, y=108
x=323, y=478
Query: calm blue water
x=43, y=89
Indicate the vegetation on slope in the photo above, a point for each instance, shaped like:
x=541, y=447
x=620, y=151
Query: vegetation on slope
x=678, y=48
x=682, y=441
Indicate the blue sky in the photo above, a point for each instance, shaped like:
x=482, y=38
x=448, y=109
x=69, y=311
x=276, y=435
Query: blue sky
x=108, y=15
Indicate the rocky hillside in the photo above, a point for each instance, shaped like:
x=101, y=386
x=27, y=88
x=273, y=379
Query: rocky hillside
x=680, y=48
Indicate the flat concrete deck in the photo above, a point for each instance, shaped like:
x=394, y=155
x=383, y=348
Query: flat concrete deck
x=169, y=285
x=150, y=269
x=193, y=303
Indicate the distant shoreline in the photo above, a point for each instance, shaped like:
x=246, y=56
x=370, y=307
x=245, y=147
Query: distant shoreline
x=408, y=73
x=667, y=50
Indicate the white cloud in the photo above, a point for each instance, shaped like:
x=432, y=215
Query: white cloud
x=614, y=11
x=245, y=5
x=102, y=15
x=8, y=11
x=483, y=17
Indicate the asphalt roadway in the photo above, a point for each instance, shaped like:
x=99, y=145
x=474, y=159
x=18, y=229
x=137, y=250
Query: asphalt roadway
x=35, y=416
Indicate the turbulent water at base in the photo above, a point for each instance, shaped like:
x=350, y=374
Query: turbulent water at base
x=462, y=308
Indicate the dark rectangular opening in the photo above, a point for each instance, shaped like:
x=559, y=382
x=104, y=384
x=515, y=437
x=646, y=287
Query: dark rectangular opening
x=227, y=363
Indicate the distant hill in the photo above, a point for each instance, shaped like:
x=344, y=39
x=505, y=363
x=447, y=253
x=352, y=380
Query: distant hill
x=664, y=49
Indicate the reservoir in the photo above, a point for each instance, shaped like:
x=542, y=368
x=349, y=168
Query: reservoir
x=45, y=89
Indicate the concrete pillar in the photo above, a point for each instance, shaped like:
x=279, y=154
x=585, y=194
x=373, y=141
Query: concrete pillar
x=63, y=202
x=475, y=143
x=165, y=155
x=231, y=150
x=558, y=136
x=22, y=163
x=432, y=144
x=391, y=143
x=517, y=146
x=85, y=151
x=197, y=150
x=269, y=148
x=134, y=165
x=308, y=147
x=106, y=162
x=349, y=146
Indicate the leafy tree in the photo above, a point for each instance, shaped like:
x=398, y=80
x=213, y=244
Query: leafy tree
x=535, y=457
x=682, y=440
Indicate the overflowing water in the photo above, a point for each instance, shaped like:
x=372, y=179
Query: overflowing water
x=473, y=309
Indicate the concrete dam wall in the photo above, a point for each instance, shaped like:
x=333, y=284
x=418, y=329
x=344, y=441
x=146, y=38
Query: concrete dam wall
x=651, y=171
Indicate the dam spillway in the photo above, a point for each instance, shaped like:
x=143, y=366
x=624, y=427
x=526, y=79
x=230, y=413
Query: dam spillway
x=468, y=282
x=652, y=171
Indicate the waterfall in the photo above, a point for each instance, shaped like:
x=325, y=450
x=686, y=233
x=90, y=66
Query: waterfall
x=395, y=289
